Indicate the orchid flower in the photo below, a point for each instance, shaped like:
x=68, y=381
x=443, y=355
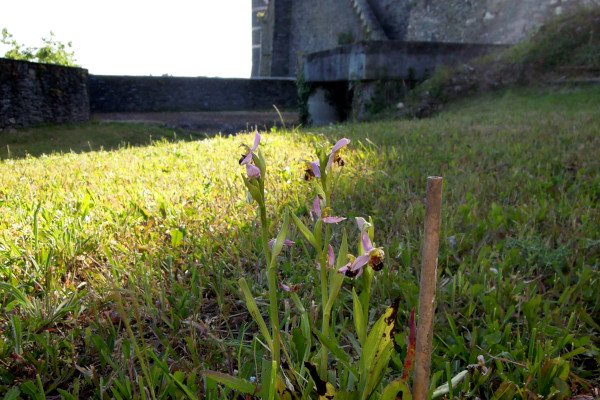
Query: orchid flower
x=286, y=242
x=324, y=215
x=372, y=256
x=312, y=170
x=480, y=365
x=290, y=288
x=246, y=158
x=330, y=259
x=334, y=156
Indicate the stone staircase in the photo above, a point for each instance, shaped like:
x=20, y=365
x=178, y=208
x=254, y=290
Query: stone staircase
x=371, y=25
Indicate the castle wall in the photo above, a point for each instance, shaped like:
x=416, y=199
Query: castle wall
x=483, y=21
x=33, y=93
x=315, y=25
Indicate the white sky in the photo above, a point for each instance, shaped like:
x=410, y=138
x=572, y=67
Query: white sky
x=137, y=37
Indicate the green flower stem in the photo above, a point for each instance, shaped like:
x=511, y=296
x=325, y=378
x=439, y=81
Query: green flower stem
x=272, y=281
x=324, y=292
x=274, y=315
x=325, y=321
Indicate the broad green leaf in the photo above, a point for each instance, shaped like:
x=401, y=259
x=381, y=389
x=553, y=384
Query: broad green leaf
x=376, y=350
x=233, y=382
x=394, y=388
x=305, y=231
x=14, y=393
x=325, y=390
x=359, y=319
x=254, y=311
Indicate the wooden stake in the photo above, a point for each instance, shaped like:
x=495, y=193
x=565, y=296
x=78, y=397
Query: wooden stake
x=427, y=288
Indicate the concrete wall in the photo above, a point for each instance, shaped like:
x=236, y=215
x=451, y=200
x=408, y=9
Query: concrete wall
x=32, y=93
x=162, y=94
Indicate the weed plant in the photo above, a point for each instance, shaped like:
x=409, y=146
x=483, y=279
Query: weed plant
x=119, y=269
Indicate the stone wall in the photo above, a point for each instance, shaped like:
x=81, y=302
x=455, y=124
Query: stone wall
x=32, y=93
x=323, y=25
x=164, y=94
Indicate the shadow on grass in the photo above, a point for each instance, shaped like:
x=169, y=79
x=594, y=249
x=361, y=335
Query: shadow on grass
x=85, y=137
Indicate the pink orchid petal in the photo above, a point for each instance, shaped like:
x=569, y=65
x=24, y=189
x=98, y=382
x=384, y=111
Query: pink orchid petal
x=329, y=162
x=360, y=262
x=247, y=159
x=333, y=220
x=315, y=168
x=256, y=140
x=360, y=271
x=252, y=170
x=340, y=143
x=318, y=266
x=317, y=206
x=285, y=287
x=366, y=241
x=331, y=256
x=344, y=269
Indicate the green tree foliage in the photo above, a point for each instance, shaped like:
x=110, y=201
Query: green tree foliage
x=52, y=52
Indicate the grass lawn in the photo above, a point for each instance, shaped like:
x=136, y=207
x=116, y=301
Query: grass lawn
x=119, y=268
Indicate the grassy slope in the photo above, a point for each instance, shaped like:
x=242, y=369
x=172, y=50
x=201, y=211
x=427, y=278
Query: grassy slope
x=169, y=225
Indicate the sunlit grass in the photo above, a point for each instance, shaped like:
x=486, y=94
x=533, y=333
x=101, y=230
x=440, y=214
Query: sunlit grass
x=169, y=228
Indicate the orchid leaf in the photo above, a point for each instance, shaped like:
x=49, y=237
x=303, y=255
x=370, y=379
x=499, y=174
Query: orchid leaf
x=376, y=350
x=253, y=309
x=253, y=188
x=325, y=390
x=283, y=392
x=394, y=389
x=239, y=384
x=278, y=245
x=305, y=231
x=359, y=319
x=318, y=231
x=336, y=351
x=259, y=161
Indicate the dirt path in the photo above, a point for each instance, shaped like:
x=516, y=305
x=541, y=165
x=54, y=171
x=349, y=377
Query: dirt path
x=226, y=122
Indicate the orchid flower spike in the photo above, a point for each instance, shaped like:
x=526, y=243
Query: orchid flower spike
x=325, y=214
x=334, y=156
x=247, y=157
